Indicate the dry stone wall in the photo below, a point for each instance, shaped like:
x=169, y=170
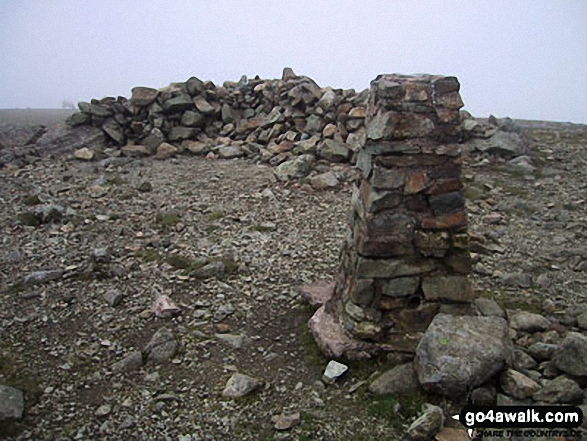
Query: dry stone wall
x=270, y=120
x=406, y=257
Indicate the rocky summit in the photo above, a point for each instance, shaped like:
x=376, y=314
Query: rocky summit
x=153, y=251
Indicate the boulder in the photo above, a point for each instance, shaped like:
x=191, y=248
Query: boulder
x=143, y=96
x=334, y=151
x=571, y=355
x=529, y=322
x=296, y=168
x=63, y=139
x=561, y=390
x=400, y=380
x=458, y=354
x=324, y=181
x=505, y=144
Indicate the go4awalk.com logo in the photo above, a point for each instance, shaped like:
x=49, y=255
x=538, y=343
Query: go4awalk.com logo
x=529, y=421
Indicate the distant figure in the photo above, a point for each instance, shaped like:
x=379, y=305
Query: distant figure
x=66, y=104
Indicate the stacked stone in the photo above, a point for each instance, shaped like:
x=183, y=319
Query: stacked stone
x=406, y=256
x=270, y=120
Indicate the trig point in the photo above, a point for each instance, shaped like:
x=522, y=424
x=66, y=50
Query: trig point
x=406, y=255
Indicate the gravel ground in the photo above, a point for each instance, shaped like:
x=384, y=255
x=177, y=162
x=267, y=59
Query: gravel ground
x=148, y=227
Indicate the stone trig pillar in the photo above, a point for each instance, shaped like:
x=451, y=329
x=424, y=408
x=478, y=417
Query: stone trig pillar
x=406, y=256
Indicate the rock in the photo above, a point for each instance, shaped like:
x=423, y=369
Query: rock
x=145, y=187
x=240, y=385
x=196, y=147
x=164, y=307
x=504, y=144
x=542, y=351
x=114, y=131
x=236, y=341
x=328, y=100
x=561, y=390
x=161, y=347
x=154, y=140
x=78, y=119
x=288, y=74
x=334, y=151
x=522, y=164
x=318, y=293
x=11, y=403
x=178, y=104
x=181, y=133
x=523, y=361
x=166, y=151
x=203, y=105
x=143, y=96
x=230, y=151
x=49, y=213
x=571, y=355
x=131, y=362
x=333, y=371
x=285, y=422
x=324, y=181
x=136, y=151
x=517, y=384
x=529, y=322
x=63, y=139
x=484, y=396
x=582, y=320
x=85, y=154
x=103, y=411
x=488, y=307
x=296, y=168
x=38, y=277
x=457, y=354
x=400, y=380
x=192, y=119
x=114, y=297
x=427, y=425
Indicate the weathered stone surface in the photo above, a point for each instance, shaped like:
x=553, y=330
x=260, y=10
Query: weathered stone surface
x=178, y=104
x=11, y=403
x=180, y=133
x=561, y=390
x=161, y=347
x=136, y=151
x=114, y=131
x=230, y=152
x=240, y=385
x=517, y=384
x=285, y=422
x=196, y=147
x=507, y=145
x=166, y=151
x=84, y=154
x=571, y=355
x=143, y=96
x=451, y=288
x=529, y=322
x=392, y=268
x=334, y=370
x=488, y=307
x=334, y=151
x=297, y=168
x=400, y=287
x=427, y=425
x=318, y=293
x=324, y=181
x=457, y=354
x=400, y=380
x=131, y=362
x=38, y=277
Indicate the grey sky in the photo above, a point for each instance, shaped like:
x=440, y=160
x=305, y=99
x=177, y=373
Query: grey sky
x=522, y=58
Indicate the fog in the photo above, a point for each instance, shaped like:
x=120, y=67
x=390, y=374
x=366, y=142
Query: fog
x=523, y=59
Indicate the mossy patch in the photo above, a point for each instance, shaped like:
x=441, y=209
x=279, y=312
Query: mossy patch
x=29, y=219
x=396, y=410
x=31, y=200
x=166, y=219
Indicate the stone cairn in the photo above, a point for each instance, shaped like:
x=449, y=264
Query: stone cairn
x=406, y=255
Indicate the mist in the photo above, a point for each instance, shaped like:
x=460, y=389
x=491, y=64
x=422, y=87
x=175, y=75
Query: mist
x=522, y=59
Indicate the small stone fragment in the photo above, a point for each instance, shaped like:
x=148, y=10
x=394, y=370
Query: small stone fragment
x=164, y=307
x=427, y=425
x=11, y=403
x=285, y=422
x=333, y=371
x=240, y=385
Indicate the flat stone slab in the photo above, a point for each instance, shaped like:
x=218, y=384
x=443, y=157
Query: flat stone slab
x=11, y=403
x=318, y=293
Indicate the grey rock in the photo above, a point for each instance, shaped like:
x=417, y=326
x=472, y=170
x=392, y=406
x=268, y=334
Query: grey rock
x=296, y=168
x=400, y=380
x=457, y=354
x=582, y=320
x=194, y=86
x=334, y=151
x=131, y=362
x=561, y=390
x=518, y=385
x=114, y=297
x=240, y=385
x=324, y=181
x=192, y=119
x=161, y=347
x=400, y=286
x=523, y=361
x=114, y=131
x=143, y=96
x=571, y=355
x=38, y=277
x=203, y=105
x=529, y=322
x=49, y=213
x=507, y=145
x=285, y=422
x=230, y=151
x=427, y=425
x=103, y=411
x=236, y=341
x=180, y=133
x=488, y=307
x=11, y=403
x=333, y=371
x=484, y=396
x=154, y=140
x=78, y=119
x=63, y=139
x=178, y=104
x=229, y=114
x=522, y=164
x=327, y=100
x=542, y=351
